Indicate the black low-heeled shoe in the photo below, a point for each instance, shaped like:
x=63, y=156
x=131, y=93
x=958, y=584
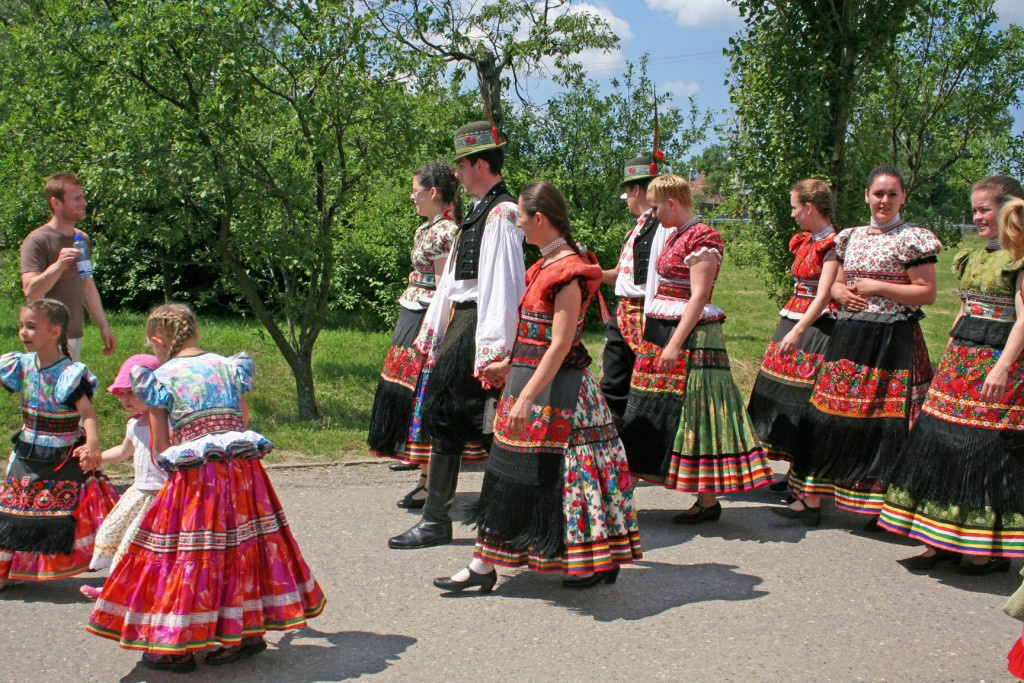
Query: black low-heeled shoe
x=780, y=485
x=703, y=514
x=994, y=564
x=485, y=581
x=926, y=562
x=607, y=576
x=808, y=515
x=399, y=466
x=178, y=664
x=411, y=502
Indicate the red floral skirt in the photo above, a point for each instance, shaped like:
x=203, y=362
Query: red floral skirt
x=213, y=561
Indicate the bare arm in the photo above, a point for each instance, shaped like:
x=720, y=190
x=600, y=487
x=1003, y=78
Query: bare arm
x=609, y=276
x=89, y=454
x=822, y=299
x=997, y=382
x=245, y=413
x=94, y=305
x=161, y=432
x=702, y=277
x=35, y=285
x=120, y=452
x=563, y=326
x=920, y=292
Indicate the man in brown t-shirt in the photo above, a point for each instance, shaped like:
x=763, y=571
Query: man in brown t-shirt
x=49, y=263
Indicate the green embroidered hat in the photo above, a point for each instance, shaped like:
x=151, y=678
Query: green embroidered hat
x=640, y=168
x=478, y=136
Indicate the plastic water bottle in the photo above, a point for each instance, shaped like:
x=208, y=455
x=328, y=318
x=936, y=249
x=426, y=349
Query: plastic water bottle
x=84, y=262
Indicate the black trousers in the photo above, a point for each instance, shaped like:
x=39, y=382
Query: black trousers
x=617, y=370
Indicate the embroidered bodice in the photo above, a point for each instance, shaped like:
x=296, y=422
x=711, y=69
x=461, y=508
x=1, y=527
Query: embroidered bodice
x=682, y=249
x=50, y=421
x=886, y=257
x=432, y=241
x=810, y=252
x=201, y=394
x=988, y=283
x=537, y=308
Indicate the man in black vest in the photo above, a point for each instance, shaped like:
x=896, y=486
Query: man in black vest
x=469, y=329
x=635, y=279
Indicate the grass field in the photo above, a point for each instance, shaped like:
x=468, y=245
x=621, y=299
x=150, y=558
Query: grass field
x=347, y=364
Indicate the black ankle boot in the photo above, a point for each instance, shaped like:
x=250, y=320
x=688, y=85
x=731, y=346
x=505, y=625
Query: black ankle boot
x=423, y=535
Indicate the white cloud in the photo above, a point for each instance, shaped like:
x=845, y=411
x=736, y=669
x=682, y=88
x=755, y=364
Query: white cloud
x=692, y=13
x=680, y=89
x=1010, y=12
x=619, y=26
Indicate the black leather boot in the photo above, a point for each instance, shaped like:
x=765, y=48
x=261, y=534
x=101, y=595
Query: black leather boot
x=435, y=528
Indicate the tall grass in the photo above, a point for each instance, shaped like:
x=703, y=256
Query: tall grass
x=347, y=363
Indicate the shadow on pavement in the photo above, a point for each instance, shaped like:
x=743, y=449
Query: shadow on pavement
x=756, y=524
x=643, y=590
x=301, y=656
x=57, y=592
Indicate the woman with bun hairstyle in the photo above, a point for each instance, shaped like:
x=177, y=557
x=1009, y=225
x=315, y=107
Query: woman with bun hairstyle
x=791, y=362
x=396, y=416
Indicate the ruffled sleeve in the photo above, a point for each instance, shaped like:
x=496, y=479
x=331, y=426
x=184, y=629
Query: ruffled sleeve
x=960, y=262
x=438, y=239
x=842, y=239
x=798, y=240
x=918, y=246
x=582, y=271
x=11, y=370
x=245, y=371
x=704, y=244
x=74, y=382
x=149, y=390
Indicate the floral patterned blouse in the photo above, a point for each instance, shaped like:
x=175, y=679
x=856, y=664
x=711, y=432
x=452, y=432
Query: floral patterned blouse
x=537, y=308
x=685, y=246
x=810, y=254
x=886, y=257
x=988, y=282
x=431, y=242
x=202, y=395
x=50, y=421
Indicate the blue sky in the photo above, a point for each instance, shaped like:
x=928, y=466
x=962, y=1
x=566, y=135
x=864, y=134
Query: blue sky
x=685, y=39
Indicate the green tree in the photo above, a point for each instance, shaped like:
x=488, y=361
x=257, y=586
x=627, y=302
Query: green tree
x=246, y=130
x=490, y=39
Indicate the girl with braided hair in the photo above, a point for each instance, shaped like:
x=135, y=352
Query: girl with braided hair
x=53, y=497
x=213, y=561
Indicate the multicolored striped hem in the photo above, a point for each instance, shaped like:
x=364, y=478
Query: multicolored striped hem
x=939, y=534
x=860, y=501
x=582, y=558
x=719, y=473
x=811, y=486
x=419, y=454
x=48, y=576
x=218, y=639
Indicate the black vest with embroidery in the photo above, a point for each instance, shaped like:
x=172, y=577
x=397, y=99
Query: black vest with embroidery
x=471, y=232
x=642, y=249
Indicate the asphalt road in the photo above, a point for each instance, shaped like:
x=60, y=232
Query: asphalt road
x=749, y=598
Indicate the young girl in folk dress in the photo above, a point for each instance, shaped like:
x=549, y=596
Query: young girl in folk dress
x=115, y=535
x=1011, y=235
x=557, y=495
x=52, y=500
x=213, y=561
